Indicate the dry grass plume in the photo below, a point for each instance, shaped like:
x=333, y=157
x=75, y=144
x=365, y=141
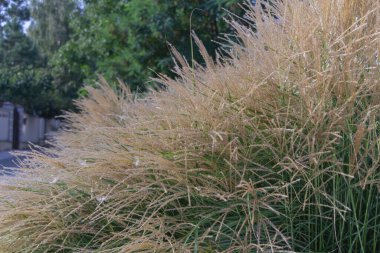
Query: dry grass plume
x=273, y=147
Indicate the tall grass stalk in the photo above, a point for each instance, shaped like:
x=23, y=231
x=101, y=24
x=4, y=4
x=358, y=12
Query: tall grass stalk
x=272, y=148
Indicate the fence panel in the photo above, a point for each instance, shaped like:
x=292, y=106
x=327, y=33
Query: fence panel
x=4, y=125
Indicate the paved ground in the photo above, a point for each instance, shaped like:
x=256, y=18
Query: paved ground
x=8, y=164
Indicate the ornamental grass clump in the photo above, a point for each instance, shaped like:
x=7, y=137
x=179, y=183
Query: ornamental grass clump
x=273, y=147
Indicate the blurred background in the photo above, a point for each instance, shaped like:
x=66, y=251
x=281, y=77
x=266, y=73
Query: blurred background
x=50, y=48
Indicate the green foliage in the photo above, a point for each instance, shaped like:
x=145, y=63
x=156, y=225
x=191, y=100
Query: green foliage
x=13, y=10
x=49, y=28
x=15, y=47
x=25, y=78
x=73, y=42
x=32, y=88
x=127, y=39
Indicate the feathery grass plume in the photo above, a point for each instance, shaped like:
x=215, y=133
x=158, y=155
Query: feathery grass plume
x=274, y=148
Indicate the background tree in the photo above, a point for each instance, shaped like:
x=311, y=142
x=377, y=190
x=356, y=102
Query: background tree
x=15, y=47
x=23, y=78
x=127, y=39
x=68, y=43
x=49, y=26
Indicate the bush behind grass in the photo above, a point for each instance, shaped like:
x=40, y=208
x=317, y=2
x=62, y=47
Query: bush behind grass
x=272, y=148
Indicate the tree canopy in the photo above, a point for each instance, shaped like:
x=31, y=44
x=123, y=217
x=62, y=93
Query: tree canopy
x=50, y=24
x=23, y=78
x=127, y=39
x=68, y=43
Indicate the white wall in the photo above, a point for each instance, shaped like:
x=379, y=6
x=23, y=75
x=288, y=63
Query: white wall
x=4, y=125
x=32, y=128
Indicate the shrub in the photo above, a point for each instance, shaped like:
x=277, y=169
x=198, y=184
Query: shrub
x=272, y=148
